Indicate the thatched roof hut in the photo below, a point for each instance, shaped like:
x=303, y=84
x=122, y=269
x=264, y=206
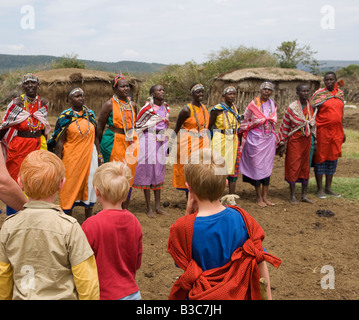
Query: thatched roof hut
x=54, y=85
x=248, y=81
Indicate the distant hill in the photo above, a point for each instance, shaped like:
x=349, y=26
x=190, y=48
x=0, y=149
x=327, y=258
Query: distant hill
x=12, y=62
x=331, y=65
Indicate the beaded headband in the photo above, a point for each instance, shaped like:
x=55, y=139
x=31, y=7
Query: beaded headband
x=29, y=77
x=74, y=90
x=229, y=89
x=119, y=77
x=267, y=85
x=197, y=87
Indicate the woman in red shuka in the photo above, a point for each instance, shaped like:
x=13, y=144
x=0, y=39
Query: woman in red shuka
x=24, y=127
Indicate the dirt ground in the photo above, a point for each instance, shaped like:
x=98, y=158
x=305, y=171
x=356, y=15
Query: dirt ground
x=304, y=241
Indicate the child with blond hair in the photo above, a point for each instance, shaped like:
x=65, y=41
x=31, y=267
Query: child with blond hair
x=218, y=247
x=115, y=234
x=44, y=254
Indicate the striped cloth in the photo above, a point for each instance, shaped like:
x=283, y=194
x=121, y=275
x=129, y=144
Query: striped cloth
x=295, y=119
x=16, y=114
x=148, y=118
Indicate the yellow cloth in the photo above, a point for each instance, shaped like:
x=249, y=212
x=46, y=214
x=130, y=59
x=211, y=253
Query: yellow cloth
x=226, y=144
x=6, y=281
x=43, y=143
x=86, y=279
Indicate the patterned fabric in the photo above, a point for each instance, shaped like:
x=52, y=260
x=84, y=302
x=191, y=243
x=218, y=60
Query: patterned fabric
x=223, y=107
x=148, y=118
x=236, y=280
x=322, y=95
x=327, y=167
x=197, y=87
x=15, y=115
x=65, y=119
x=296, y=119
x=149, y=187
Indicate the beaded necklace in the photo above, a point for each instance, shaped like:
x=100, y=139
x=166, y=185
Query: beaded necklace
x=270, y=124
x=87, y=117
x=36, y=101
x=123, y=107
x=197, y=122
x=231, y=125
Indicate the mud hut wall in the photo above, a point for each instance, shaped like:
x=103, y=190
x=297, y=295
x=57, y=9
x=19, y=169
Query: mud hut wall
x=284, y=92
x=96, y=94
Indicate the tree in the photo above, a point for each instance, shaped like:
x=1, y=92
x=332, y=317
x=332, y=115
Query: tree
x=290, y=55
x=228, y=59
x=68, y=61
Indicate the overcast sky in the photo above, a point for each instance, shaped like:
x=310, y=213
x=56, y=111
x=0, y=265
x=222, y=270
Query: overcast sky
x=176, y=31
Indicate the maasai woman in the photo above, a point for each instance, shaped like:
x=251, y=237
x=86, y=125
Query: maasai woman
x=194, y=118
x=24, y=127
x=119, y=142
x=152, y=121
x=225, y=120
x=75, y=142
x=330, y=133
x=295, y=139
x=259, y=142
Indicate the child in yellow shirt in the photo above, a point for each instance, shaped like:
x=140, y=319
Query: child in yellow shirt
x=44, y=253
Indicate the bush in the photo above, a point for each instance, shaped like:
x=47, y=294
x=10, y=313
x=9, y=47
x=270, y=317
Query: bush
x=9, y=87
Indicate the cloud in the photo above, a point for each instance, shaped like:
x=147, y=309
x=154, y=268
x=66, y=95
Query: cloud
x=130, y=54
x=223, y=2
x=16, y=47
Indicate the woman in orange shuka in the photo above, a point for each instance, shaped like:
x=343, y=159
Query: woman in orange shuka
x=194, y=118
x=119, y=142
x=75, y=142
x=330, y=132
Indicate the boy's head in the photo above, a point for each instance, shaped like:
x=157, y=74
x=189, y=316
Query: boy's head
x=112, y=181
x=41, y=174
x=206, y=174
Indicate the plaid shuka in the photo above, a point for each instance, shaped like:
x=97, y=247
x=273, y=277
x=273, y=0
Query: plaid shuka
x=148, y=118
x=294, y=120
x=16, y=114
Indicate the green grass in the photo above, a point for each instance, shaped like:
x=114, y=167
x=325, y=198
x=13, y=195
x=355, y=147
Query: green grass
x=347, y=187
x=350, y=149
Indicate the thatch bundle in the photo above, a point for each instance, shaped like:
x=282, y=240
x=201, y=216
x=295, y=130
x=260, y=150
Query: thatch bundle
x=54, y=85
x=248, y=81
